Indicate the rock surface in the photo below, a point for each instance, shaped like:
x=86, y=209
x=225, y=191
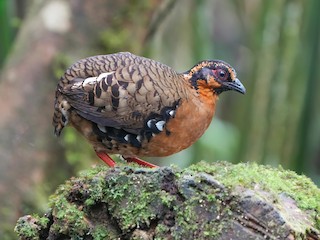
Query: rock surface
x=204, y=201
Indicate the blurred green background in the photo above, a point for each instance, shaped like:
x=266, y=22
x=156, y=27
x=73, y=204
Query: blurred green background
x=273, y=45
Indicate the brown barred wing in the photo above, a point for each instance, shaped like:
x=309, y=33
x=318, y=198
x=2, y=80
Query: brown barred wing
x=126, y=96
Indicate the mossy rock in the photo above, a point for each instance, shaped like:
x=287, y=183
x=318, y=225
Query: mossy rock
x=204, y=201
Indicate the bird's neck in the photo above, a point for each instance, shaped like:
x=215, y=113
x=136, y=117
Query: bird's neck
x=206, y=104
x=202, y=92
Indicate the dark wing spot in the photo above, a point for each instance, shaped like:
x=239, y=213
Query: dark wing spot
x=115, y=103
x=115, y=90
x=91, y=98
x=98, y=90
x=132, y=139
x=99, y=133
x=139, y=84
x=123, y=84
x=134, y=142
x=109, y=79
x=104, y=85
x=63, y=118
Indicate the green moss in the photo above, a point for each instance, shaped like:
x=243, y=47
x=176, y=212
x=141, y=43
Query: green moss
x=97, y=170
x=189, y=222
x=167, y=199
x=29, y=227
x=100, y=232
x=203, y=213
x=132, y=198
x=69, y=219
x=274, y=180
x=95, y=185
x=162, y=231
x=185, y=216
x=43, y=221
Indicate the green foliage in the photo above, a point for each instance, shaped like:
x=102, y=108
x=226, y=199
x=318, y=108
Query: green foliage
x=117, y=38
x=6, y=30
x=8, y=25
x=60, y=63
x=279, y=112
x=213, y=146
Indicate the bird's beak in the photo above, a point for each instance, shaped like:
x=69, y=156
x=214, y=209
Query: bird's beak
x=235, y=85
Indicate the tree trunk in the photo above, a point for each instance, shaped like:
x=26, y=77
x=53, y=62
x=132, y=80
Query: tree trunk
x=218, y=201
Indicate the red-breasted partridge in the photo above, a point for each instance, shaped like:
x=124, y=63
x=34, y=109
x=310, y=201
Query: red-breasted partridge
x=134, y=106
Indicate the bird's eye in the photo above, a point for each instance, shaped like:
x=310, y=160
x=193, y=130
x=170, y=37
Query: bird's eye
x=222, y=74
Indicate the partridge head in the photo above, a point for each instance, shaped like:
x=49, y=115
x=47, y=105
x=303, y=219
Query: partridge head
x=137, y=107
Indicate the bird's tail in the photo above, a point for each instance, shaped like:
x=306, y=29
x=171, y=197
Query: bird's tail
x=60, y=115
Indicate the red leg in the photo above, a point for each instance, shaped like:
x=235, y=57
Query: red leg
x=105, y=157
x=140, y=162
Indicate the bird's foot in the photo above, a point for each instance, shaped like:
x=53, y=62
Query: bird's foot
x=105, y=157
x=109, y=161
x=140, y=162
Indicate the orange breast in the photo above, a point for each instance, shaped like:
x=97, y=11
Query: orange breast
x=192, y=119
